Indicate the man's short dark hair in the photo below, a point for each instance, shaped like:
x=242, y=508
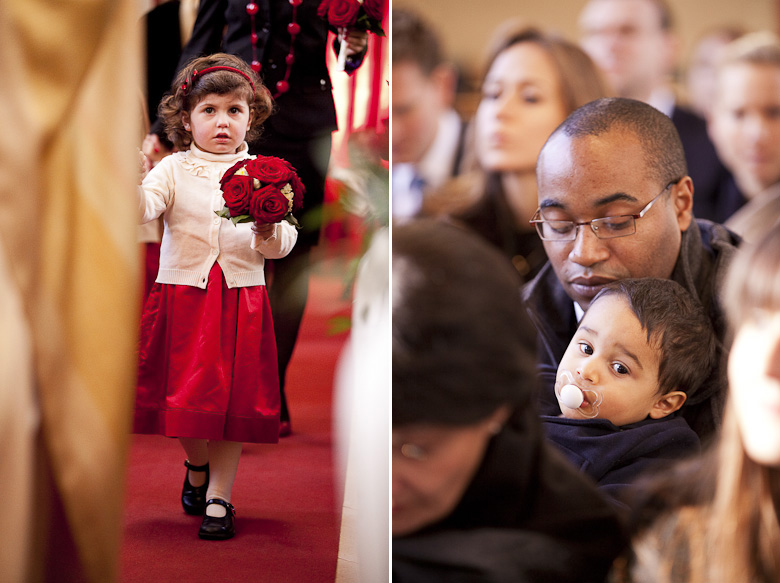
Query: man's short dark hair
x=415, y=41
x=656, y=132
x=678, y=327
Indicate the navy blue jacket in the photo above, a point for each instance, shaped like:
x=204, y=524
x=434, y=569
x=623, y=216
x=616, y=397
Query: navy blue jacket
x=615, y=456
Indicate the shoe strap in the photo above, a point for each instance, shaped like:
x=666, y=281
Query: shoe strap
x=203, y=468
x=221, y=502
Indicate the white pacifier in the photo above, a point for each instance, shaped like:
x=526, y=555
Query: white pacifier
x=585, y=401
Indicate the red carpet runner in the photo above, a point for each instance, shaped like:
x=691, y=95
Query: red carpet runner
x=288, y=514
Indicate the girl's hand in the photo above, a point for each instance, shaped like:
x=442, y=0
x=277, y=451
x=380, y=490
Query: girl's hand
x=263, y=230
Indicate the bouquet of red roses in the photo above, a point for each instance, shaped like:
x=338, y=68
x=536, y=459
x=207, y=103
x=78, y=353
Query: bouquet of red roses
x=365, y=15
x=263, y=189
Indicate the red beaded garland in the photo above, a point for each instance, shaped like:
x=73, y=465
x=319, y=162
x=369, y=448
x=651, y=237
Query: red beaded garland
x=282, y=87
x=293, y=29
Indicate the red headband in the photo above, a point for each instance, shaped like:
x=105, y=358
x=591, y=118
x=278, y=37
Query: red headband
x=195, y=74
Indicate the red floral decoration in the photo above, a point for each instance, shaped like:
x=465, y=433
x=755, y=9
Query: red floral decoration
x=263, y=189
x=364, y=15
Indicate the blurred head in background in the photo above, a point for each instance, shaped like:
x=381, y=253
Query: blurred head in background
x=423, y=86
x=632, y=42
x=745, y=122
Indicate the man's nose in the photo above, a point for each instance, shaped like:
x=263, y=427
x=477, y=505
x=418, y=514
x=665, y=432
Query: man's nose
x=588, y=249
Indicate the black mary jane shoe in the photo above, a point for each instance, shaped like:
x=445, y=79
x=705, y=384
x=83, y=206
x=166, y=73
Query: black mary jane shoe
x=193, y=498
x=218, y=528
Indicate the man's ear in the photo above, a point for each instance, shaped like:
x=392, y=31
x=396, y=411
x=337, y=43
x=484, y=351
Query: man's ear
x=683, y=202
x=668, y=404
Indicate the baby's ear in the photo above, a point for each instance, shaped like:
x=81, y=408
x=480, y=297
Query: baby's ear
x=667, y=404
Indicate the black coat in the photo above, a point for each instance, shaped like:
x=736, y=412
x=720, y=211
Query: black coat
x=528, y=516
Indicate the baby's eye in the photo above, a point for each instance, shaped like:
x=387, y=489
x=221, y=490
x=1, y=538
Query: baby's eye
x=620, y=368
x=235, y=110
x=208, y=110
x=586, y=348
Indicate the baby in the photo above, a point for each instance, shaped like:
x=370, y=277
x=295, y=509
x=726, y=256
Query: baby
x=642, y=350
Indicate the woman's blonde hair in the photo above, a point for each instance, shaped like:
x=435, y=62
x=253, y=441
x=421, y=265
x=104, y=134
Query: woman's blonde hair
x=744, y=520
x=189, y=88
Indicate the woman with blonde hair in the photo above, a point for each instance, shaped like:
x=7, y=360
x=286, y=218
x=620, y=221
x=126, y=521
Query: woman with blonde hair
x=715, y=519
x=533, y=81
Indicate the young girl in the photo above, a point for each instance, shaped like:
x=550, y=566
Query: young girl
x=207, y=363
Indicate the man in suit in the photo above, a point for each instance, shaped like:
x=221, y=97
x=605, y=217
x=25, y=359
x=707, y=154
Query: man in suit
x=634, y=44
x=299, y=131
x=427, y=132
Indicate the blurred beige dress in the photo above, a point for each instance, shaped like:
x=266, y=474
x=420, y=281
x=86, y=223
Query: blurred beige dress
x=69, y=82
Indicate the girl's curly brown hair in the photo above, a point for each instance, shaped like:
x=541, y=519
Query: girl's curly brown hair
x=186, y=93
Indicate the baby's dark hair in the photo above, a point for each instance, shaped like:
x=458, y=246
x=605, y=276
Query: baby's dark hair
x=189, y=89
x=677, y=326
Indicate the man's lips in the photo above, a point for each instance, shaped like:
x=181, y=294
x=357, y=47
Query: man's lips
x=589, y=285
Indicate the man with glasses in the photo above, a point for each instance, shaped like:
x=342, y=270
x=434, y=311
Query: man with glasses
x=615, y=201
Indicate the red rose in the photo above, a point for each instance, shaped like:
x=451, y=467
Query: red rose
x=298, y=191
x=269, y=205
x=268, y=169
x=322, y=11
x=375, y=9
x=232, y=170
x=343, y=12
x=237, y=191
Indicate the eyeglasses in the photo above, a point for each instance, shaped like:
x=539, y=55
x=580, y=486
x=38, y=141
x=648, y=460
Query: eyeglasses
x=603, y=228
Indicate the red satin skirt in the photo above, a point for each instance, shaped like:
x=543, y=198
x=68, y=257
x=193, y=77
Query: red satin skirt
x=207, y=363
